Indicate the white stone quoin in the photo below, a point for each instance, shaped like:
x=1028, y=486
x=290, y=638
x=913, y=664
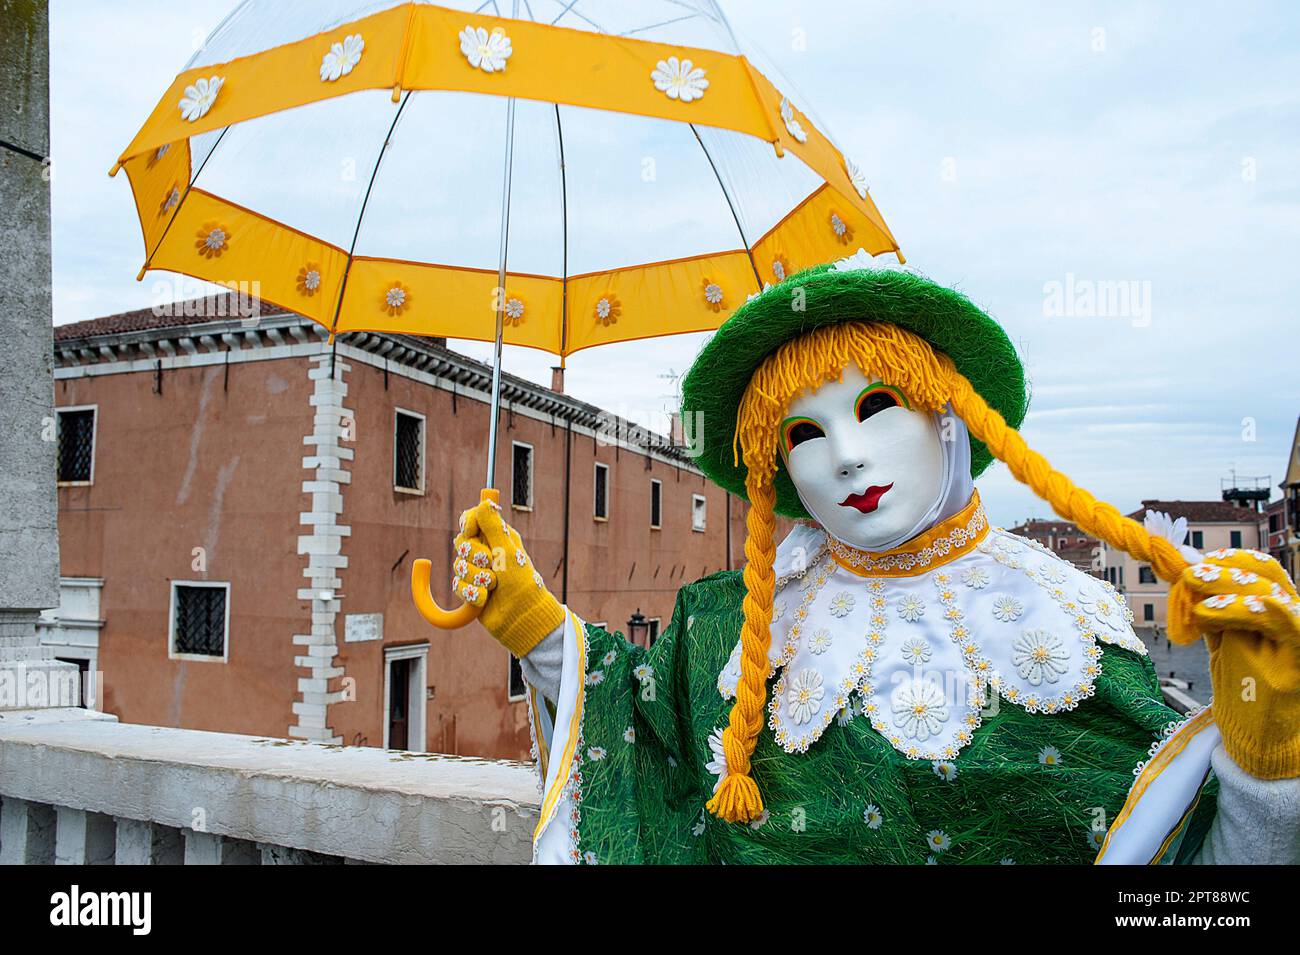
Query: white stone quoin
x=322, y=544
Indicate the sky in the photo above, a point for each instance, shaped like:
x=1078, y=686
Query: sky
x=1028, y=154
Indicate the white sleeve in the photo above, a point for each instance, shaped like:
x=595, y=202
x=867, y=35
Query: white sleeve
x=544, y=664
x=1257, y=821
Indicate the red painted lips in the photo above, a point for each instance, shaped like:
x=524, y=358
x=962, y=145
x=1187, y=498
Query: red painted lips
x=868, y=500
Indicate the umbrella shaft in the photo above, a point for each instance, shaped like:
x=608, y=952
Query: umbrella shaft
x=500, y=297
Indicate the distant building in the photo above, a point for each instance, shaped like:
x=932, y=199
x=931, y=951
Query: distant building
x=240, y=505
x=1210, y=525
x=1285, y=539
x=1066, y=540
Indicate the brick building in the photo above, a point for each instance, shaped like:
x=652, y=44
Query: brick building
x=240, y=505
x=1066, y=539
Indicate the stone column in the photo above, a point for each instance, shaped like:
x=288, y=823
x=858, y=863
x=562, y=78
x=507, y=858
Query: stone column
x=29, y=540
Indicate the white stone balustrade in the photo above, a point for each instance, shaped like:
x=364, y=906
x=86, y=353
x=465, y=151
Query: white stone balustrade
x=77, y=787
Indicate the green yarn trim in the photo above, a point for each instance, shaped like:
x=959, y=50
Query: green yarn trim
x=947, y=319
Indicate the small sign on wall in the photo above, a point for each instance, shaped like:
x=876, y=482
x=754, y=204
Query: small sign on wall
x=361, y=627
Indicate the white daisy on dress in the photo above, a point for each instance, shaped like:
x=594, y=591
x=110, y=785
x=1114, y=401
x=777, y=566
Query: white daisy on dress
x=341, y=58
x=595, y=678
x=911, y=608
x=1243, y=576
x=199, y=97
x=778, y=610
x=1049, y=756
x=1095, y=838
x=976, y=578
x=485, y=51
x=718, y=764
x=643, y=672
x=920, y=709
x=609, y=658
x=841, y=604
x=938, y=840
x=1219, y=601
x=1007, y=608
x=820, y=641
x=596, y=753
x=681, y=80
x=804, y=698
x=945, y=770
x=1038, y=655
x=872, y=817
x=916, y=651
x=1253, y=604
x=629, y=735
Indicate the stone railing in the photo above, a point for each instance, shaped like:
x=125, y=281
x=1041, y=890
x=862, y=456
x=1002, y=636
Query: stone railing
x=77, y=787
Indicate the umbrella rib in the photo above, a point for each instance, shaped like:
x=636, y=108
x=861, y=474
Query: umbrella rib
x=749, y=252
x=663, y=23
x=150, y=253
x=347, y=268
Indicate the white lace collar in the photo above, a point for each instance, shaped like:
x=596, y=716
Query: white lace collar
x=917, y=655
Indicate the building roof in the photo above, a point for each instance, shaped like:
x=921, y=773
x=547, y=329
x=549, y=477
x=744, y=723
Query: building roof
x=1200, y=512
x=1039, y=525
x=195, y=311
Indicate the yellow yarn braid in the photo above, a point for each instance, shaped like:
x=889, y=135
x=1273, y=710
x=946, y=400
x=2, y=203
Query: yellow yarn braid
x=1101, y=520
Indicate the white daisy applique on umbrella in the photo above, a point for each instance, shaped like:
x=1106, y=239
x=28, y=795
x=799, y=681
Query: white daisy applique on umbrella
x=199, y=97
x=485, y=51
x=678, y=79
x=341, y=58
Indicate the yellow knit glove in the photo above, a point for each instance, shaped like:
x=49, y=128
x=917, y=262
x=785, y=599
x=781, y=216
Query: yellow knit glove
x=490, y=562
x=1246, y=607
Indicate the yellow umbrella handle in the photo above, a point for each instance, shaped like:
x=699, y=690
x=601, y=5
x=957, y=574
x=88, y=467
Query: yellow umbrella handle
x=424, y=602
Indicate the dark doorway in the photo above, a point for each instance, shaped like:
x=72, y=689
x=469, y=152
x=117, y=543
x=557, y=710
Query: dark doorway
x=399, y=703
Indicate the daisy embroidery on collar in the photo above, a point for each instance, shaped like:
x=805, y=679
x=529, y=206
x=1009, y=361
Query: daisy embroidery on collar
x=911, y=608
x=1039, y=656
x=805, y=696
x=1007, y=608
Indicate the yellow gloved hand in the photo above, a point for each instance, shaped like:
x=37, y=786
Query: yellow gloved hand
x=492, y=570
x=1246, y=607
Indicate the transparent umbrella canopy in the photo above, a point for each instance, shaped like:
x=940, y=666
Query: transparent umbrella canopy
x=555, y=174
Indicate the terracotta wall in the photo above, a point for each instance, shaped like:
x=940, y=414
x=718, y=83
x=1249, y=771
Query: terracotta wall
x=212, y=463
x=215, y=462
x=615, y=566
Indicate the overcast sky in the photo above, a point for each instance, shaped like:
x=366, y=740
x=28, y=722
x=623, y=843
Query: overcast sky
x=1009, y=145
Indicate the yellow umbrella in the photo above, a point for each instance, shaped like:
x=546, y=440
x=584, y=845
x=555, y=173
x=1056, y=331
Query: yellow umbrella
x=580, y=173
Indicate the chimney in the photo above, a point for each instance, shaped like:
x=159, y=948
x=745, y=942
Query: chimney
x=557, y=379
x=677, y=435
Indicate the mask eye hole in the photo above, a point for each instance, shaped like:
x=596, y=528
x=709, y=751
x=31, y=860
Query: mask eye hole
x=876, y=398
x=795, y=431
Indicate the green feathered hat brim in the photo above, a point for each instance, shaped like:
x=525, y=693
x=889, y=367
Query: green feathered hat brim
x=712, y=389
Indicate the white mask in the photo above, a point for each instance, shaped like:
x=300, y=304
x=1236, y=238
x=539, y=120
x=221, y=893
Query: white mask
x=869, y=468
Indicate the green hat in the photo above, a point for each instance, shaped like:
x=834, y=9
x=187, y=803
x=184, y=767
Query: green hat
x=712, y=389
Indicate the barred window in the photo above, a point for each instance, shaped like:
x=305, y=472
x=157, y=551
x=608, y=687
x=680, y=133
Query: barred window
x=521, y=481
x=199, y=619
x=698, y=503
x=516, y=688
x=76, y=429
x=656, y=503
x=408, y=452
x=1146, y=575
x=600, y=505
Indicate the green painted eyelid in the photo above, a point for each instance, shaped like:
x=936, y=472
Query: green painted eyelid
x=880, y=384
x=790, y=422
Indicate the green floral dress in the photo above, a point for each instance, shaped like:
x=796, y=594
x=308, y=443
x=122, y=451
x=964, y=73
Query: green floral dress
x=1029, y=788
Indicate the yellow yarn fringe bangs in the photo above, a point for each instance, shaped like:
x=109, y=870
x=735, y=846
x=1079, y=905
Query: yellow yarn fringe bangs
x=930, y=380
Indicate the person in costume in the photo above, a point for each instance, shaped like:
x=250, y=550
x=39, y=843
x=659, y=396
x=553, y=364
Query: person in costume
x=897, y=681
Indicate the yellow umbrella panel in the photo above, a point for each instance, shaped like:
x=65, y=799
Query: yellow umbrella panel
x=352, y=172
